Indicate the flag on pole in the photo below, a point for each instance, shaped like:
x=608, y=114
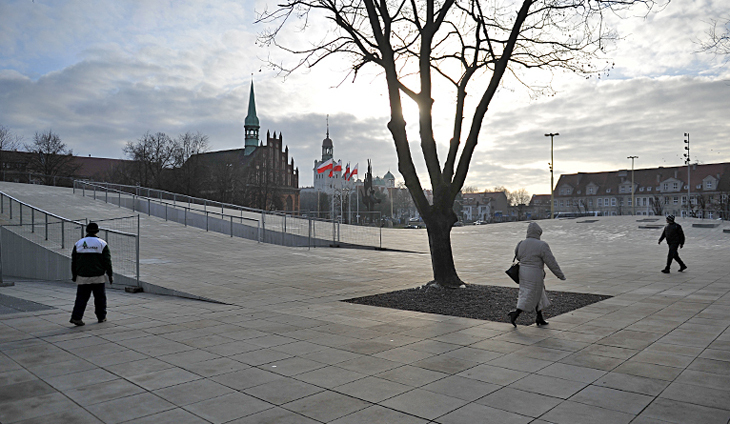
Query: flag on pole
x=347, y=172
x=354, y=171
x=331, y=173
x=325, y=166
x=338, y=166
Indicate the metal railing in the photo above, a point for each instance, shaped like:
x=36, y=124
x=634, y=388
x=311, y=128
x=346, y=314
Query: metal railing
x=282, y=228
x=57, y=233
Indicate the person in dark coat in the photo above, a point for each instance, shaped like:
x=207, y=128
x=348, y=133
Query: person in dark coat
x=91, y=267
x=675, y=239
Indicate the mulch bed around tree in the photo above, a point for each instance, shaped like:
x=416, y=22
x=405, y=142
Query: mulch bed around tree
x=490, y=303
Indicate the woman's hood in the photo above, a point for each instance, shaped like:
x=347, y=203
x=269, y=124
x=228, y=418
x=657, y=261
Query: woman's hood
x=534, y=231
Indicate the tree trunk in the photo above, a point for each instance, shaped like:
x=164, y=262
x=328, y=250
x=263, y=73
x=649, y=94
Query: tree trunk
x=438, y=226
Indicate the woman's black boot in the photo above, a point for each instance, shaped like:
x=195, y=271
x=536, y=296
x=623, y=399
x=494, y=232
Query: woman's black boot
x=513, y=316
x=540, y=320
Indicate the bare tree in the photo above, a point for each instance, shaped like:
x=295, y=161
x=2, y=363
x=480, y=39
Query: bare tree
x=656, y=205
x=718, y=39
x=8, y=142
x=189, y=168
x=519, y=199
x=470, y=189
x=421, y=43
x=51, y=158
x=152, y=154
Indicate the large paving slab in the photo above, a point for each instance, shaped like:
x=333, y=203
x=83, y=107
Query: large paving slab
x=282, y=347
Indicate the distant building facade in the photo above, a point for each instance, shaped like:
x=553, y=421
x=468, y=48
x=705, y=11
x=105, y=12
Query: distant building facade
x=487, y=207
x=657, y=191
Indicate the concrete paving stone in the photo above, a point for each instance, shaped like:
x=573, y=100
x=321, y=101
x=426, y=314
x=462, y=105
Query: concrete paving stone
x=494, y=375
x=632, y=383
x=664, y=358
x=461, y=387
x=36, y=406
x=498, y=346
x=75, y=415
x=682, y=412
x=330, y=356
x=472, y=354
x=616, y=400
x=373, y=389
x=365, y=347
x=378, y=414
x=710, y=366
x=562, y=344
x=330, y=377
x=424, y=404
x=610, y=351
x=247, y=378
x=232, y=348
x=699, y=378
x=144, y=366
x=542, y=353
x=520, y=363
x=188, y=357
x=578, y=337
x=459, y=338
x=274, y=416
x=70, y=366
x=720, y=355
x=154, y=345
x=326, y=406
x=26, y=389
x=80, y=379
x=215, y=367
x=102, y=392
x=172, y=416
x=404, y=355
x=282, y=391
x=223, y=409
x=158, y=379
x=572, y=372
x=14, y=376
x=292, y=366
x=192, y=392
x=412, y=376
x=38, y=356
x=674, y=349
x=720, y=345
x=130, y=407
x=641, y=419
x=547, y=385
x=445, y=364
x=577, y=413
x=476, y=413
x=80, y=342
x=369, y=365
x=631, y=339
x=520, y=402
x=644, y=369
x=599, y=362
x=260, y=357
x=698, y=395
x=271, y=340
x=688, y=338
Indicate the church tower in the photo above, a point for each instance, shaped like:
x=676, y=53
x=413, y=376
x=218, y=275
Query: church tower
x=251, y=125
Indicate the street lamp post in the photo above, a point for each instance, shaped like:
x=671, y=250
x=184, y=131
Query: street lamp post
x=633, y=200
x=552, y=180
x=686, y=160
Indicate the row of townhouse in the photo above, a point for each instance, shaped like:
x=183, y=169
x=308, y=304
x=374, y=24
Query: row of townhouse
x=656, y=191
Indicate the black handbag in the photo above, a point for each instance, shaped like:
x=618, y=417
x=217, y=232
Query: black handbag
x=514, y=272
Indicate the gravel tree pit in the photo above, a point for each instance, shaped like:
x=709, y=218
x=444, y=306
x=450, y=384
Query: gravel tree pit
x=490, y=303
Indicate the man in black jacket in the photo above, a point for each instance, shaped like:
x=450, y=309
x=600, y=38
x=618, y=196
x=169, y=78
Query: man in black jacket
x=91, y=264
x=675, y=239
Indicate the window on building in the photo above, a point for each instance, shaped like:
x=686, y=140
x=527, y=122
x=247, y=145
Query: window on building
x=641, y=188
x=684, y=200
x=675, y=186
x=666, y=186
x=613, y=201
x=599, y=203
x=666, y=200
x=608, y=190
x=676, y=200
x=629, y=202
x=648, y=189
x=561, y=203
x=708, y=185
x=591, y=190
x=590, y=203
x=605, y=201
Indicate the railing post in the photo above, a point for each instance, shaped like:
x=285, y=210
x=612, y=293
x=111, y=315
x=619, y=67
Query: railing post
x=206, y=220
x=149, y=207
x=20, y=213
x=94, y=192
x=186, y=216
x=120, y=199
x=10, y=203
x=74, y=187
x=2, y=203
x=231, y=225
x=309, y=237
x=137, y=250
x=106, y=195
x=165, y=211
x=63, y=235
x=32, y=220
x=46, y=227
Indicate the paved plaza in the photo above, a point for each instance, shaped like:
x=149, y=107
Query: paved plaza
x=277, y=345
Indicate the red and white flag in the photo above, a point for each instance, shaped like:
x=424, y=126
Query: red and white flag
x=353, y=172
x=325, y=166
x=347, y=172
x=338, y=166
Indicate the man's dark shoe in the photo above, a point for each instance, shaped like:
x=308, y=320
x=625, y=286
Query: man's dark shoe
x=666, y=271
x=102, y=320
x=76, y=322
x=682, y=268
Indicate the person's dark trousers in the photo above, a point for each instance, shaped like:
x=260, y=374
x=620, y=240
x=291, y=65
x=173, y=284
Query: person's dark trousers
x=83, y=292
x=674, y=254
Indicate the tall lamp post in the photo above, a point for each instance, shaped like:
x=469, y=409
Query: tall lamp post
x=633, y=200
x=686, y=160
x=552, y=180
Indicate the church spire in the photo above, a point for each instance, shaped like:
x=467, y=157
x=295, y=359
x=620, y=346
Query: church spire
x=251, y=125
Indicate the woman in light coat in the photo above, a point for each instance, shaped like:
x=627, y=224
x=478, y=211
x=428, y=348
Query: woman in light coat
x=533, y=255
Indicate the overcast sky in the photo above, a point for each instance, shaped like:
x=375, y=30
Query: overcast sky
x=105, y=72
